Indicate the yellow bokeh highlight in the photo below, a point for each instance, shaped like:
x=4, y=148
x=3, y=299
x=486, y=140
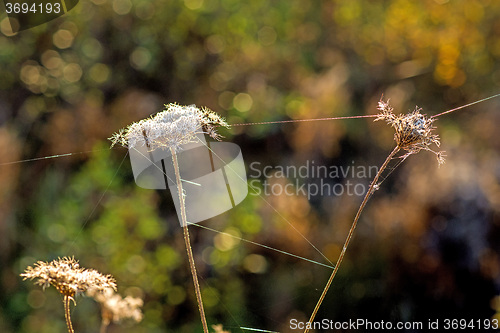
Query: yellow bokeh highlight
x=63, y=39
x=99, y=73
x=72, y=72
x=122, y=7
x=227, y=240
x=243, y=102
x=193, y=4
x=255, y=263
x=9, y=26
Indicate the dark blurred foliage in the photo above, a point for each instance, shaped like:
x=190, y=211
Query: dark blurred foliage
x=427, y=245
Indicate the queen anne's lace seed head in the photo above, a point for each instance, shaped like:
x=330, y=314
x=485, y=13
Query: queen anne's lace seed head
x=169, y=129
x=115, y=308
x=414, y=131
x=68, y=277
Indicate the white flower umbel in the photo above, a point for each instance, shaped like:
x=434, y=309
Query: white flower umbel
x=170, y=130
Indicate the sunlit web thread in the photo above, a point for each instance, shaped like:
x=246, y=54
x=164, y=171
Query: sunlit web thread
x=390, y=170
x=464, y=106
x=241, y=124
x=57, y=156
x=261, y=245
x=262, y=123
x=277, y=212
x=245, y=240
x=257, y=330
x=97, y=204
x=302, y=120
x=257, y=123
x=242, y=239
x=252, y=242
x=245, y=124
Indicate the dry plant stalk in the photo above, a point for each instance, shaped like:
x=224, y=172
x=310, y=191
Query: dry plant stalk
x=413, y=133
x=69, y=279
x=170, y=129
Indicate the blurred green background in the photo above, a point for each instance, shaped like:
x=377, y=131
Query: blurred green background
x=427, y=245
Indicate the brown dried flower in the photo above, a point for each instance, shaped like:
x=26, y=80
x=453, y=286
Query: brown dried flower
x=414, y=131
x=115, y=308
x=68, y=277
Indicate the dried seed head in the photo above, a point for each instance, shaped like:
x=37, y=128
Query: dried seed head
x=413, y=130
x=171, y=128
x=219, y=329
x=68, y=277
x=116, y=309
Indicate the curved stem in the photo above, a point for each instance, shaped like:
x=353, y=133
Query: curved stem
x=104, y=326
x=67, y=313
x=188, y=243
x=349, y=235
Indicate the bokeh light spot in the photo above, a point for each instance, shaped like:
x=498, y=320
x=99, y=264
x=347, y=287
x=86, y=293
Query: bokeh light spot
x=210, y=297
x=36, y=299
x=9, y=28
x=177, y=295
x=92, y=48
x=63, y=39
x=228, y=240
x=193, y=4
x=267, y=36
x=30, y=72
x=243, y=102
x=255, y=263
x=122, y=7
x=56, y=232
x=72, y=73
x=140, y=58
x=226, y=99
x=51, y=59
x=145, y=10
x=99, y=73
x=136, y=264
x=215, y=44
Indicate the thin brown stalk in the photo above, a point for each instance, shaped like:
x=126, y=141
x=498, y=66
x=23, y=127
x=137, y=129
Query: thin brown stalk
x=104, y=325
x=67, y=313
x=351, y=232
x=188, y=243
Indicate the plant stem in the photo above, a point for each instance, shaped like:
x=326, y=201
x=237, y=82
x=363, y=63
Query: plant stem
x=351, y=232
x=188, y=243
x=67, y=314
x=104, y=326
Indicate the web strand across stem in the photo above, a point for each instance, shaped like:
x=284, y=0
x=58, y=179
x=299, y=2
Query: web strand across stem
x=350, y=234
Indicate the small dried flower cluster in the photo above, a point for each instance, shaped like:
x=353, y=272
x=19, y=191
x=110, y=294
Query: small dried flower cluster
x=115, y=308
x=219, y=329
x=413, y=130
x=171, y=128
x=68, y=277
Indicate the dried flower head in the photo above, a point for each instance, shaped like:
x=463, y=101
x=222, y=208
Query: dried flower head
x=115, y=308
x=170, y=128
x=68, y=277
x=219, y=329
x=413, y=130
